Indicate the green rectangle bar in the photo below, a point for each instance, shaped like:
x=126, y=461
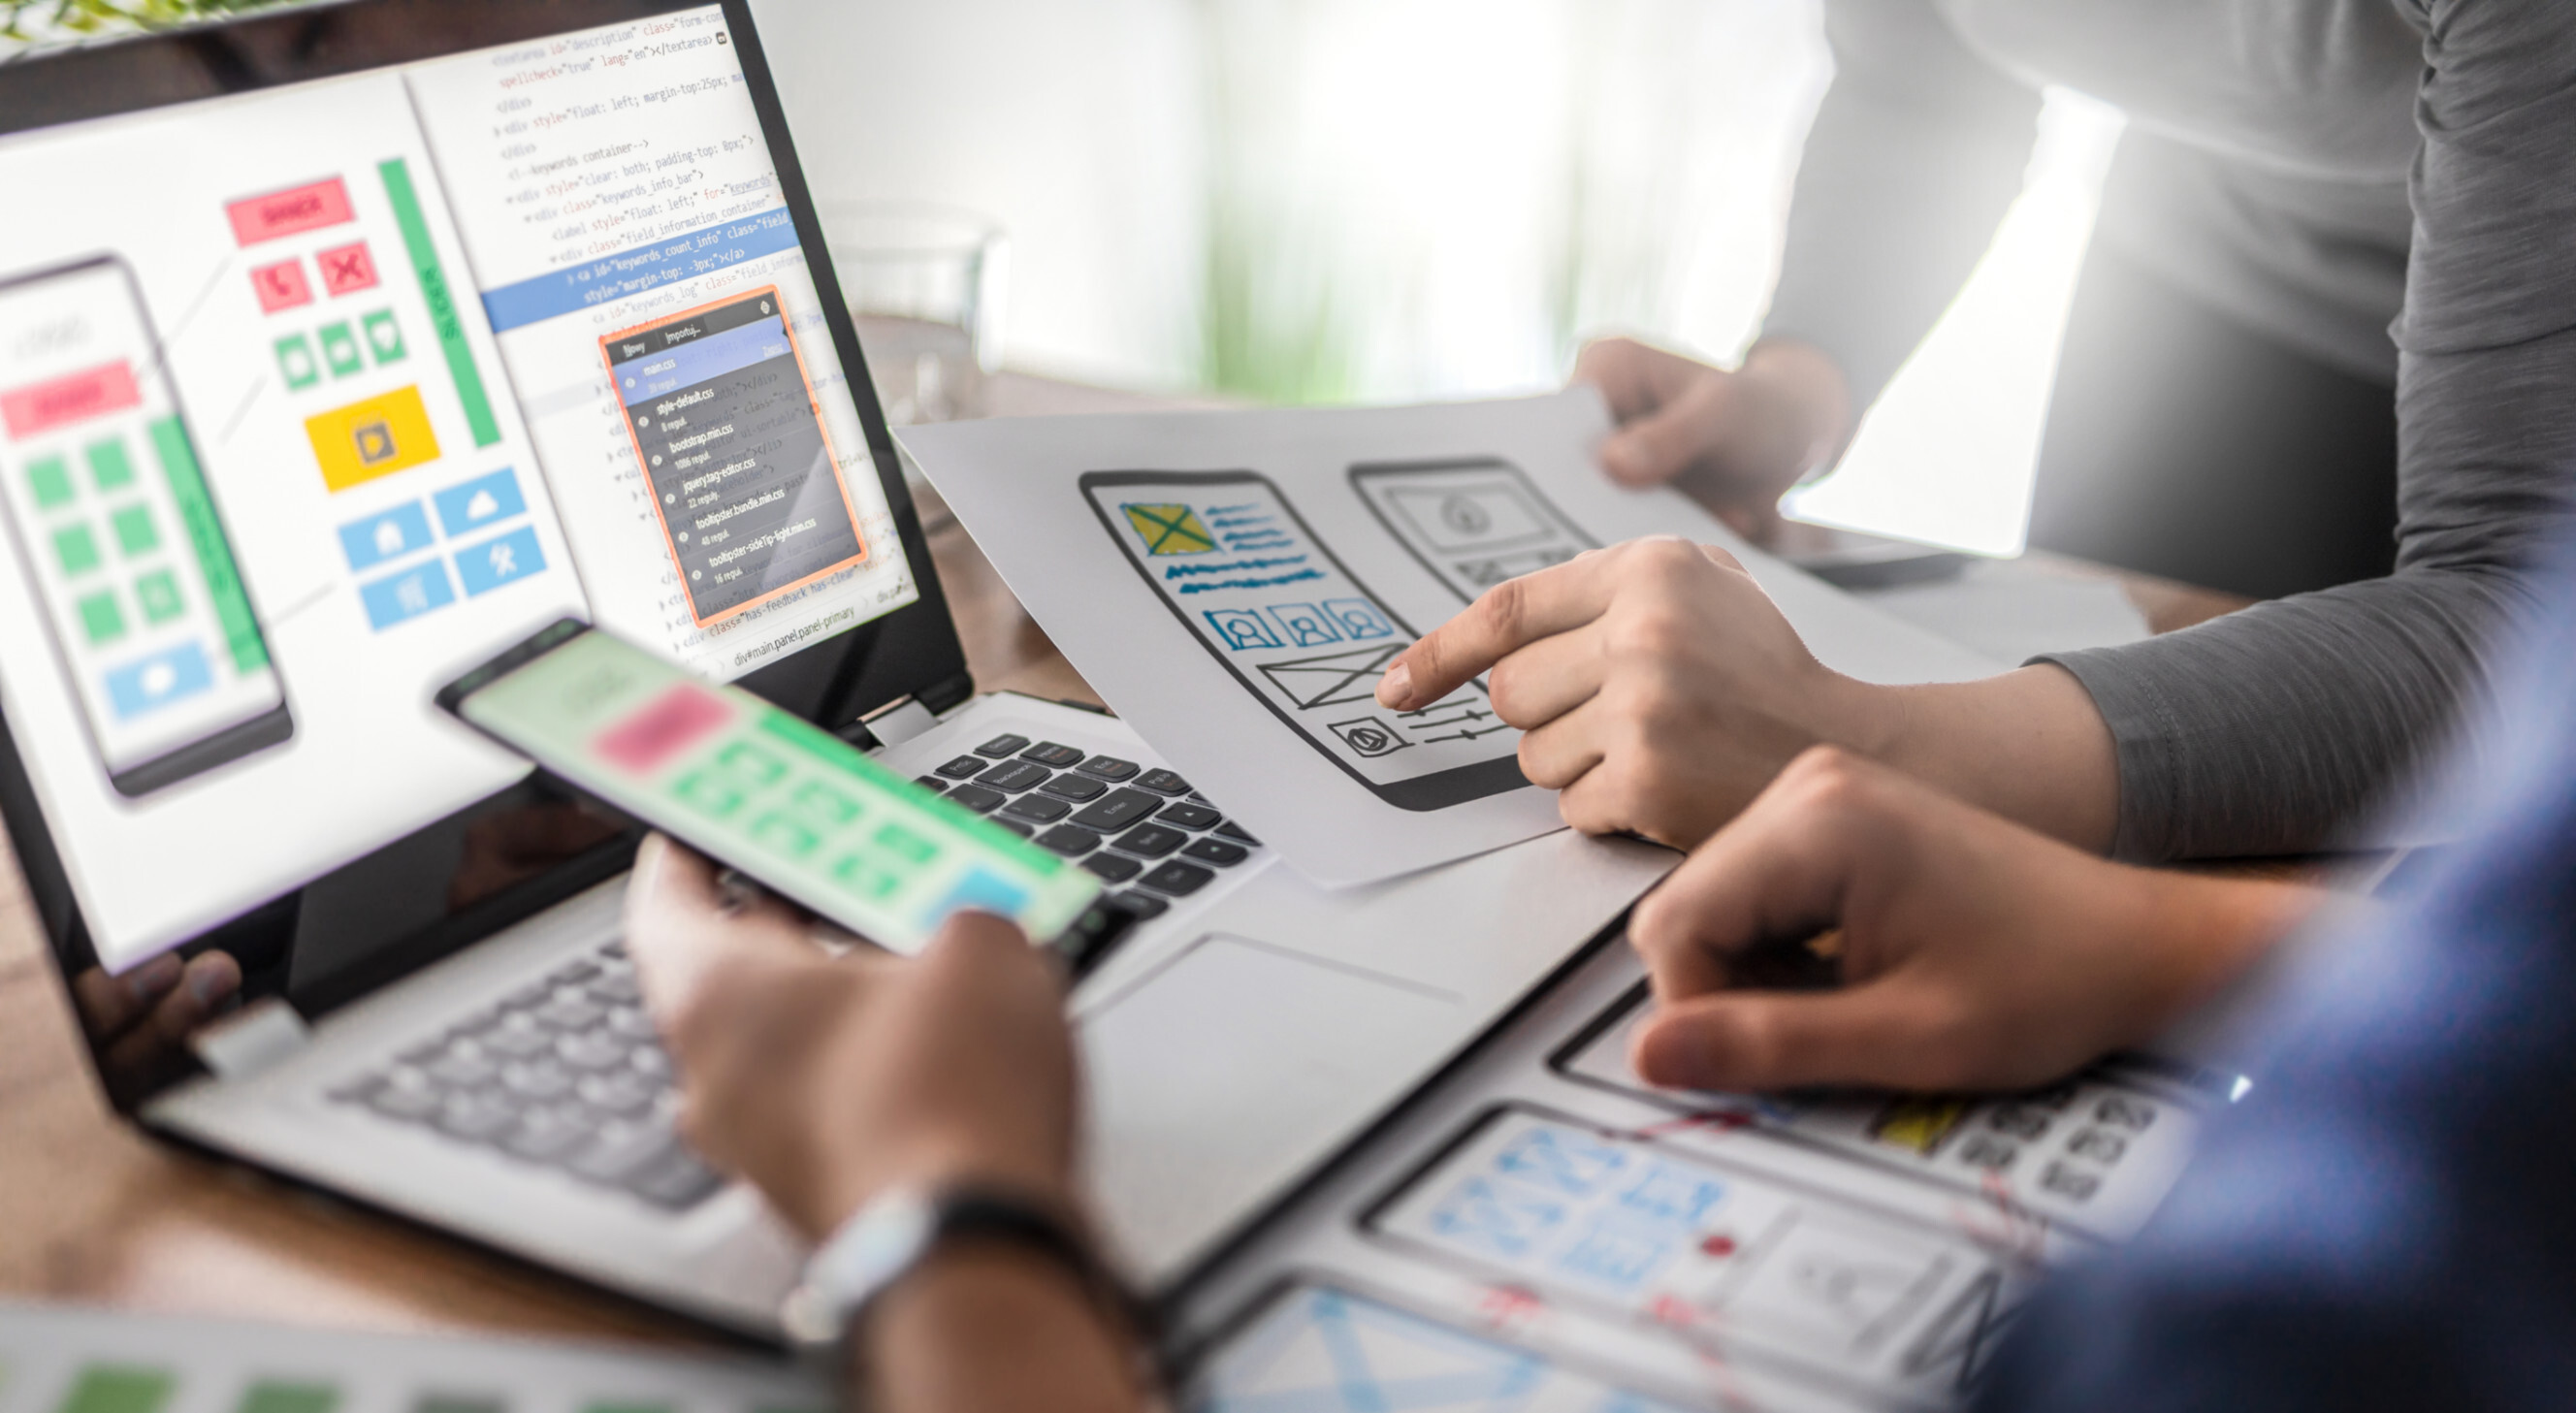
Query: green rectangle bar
x=283, y=1396
x=442, y=302
x=118, y=1388
x=206, y=535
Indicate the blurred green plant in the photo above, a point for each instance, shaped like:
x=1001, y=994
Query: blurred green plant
x=34, y=22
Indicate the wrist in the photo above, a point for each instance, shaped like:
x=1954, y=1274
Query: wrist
x=1793, y=412
x=2208, y=931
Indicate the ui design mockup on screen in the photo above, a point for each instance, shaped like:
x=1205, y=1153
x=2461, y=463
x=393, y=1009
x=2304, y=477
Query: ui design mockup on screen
x=311, y=397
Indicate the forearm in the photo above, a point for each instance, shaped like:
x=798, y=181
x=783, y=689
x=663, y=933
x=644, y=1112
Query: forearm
x=996, y=1331
x=2028, y=745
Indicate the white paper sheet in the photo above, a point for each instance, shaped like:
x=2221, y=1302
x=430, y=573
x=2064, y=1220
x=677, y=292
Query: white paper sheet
x=1233, y=582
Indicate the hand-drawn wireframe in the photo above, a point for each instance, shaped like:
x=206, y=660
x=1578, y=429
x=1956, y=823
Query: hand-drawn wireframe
x=1317, y=1348
x=1728, y=1259
x=1272, y=603
x=2093, y=1155
x=1472, y=523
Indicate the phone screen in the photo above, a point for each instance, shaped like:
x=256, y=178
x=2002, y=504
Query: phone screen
x=120, y=535
x=1272, y=603
x=765, y=791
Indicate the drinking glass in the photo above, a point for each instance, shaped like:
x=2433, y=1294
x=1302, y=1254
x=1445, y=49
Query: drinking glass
x=925, y=290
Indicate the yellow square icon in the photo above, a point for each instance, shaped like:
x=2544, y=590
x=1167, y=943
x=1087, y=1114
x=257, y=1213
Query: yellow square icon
x=377, y=437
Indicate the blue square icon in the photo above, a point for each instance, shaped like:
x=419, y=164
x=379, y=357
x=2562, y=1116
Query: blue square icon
x=387, y=535
x=410, y=594
x=485, y=500
x=148, y=684
x=503, y=559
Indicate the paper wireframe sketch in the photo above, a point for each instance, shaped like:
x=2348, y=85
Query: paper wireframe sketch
x=1257, y=677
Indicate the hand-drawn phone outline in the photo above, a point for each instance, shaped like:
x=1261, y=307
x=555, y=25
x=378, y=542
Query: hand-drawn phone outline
x=273, y=727
x=1368, y=471
x=1436, y=791
x=1936, y=1344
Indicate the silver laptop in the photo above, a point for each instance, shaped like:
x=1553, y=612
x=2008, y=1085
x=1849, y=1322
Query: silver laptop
x=341, y=347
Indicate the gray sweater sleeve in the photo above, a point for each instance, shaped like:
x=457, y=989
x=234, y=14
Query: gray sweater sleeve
x=1916, y=152
x=2277, y=729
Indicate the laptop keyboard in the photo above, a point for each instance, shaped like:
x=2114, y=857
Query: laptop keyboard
x=1144, y=832
x=567, y=1072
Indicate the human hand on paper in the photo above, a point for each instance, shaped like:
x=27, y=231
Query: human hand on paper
x=1733, y=441
x=1973, y=953
x=139, y=1023
x=1659, y=688
x=824, y=1081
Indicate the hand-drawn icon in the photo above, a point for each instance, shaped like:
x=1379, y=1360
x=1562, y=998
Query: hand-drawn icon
x=1473, y=524
x=1170, y=529
x=1306, y=625
x=1368, y=736
x=1458, y=718
x=1360, y=620
x=1241, y=628
x=1330, y=680
x=1500, y=1218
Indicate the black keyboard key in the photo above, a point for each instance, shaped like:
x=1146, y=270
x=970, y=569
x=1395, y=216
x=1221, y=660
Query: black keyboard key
x=1143, y=905
x=591, y=1050
x=977, y=798
x=931, y=783
x=1217, y=851
x=544, y=1135
x=539, y=1081
x=1120, y=809
x=964, y=767
x=1178, y=879
x=1014, y=826
x=1112, y=868
x=1001, y=746
x=1076, y=788
x=621, y=1092
x=678, y=1181
x=1238, y=833
x=1110, y=768
x=1164, y=782
x=1037, y=807
x=624, y=1151
x=477, y=1117
x=574, y=974
x=1187, y=816
x=1071, y=842
x=1049, y=753
x=1150, y=840
x=1014, y=776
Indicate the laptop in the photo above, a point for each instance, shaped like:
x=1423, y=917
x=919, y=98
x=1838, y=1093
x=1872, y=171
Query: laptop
x=344, y=345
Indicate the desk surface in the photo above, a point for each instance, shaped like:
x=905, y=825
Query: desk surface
x=92, y=1211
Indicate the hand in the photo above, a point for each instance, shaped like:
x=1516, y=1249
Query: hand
x=1735, y=441
x=1659, y=687
x=825, y=1081
x=1974, y=954
x=139, y=1023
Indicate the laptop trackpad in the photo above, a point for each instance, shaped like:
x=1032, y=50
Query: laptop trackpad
x=1233, y=1069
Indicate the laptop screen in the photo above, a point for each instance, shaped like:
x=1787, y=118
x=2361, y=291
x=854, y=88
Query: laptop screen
x=313, y=395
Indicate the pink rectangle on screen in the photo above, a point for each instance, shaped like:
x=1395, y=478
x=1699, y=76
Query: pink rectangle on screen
x=290, y=212
x=668, y=725
x=74, y=397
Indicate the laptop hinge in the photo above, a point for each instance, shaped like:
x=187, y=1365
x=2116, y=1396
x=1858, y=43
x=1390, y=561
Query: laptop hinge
x=257, y=1037
x=901, y=722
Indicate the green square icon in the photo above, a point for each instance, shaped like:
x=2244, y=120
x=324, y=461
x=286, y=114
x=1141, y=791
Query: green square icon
x=822, y=806
x=76, y=548
x=709, y=792
x=750, y=764
x=295, y=362
x=384, y=336
x=906, y=845
x=109, y=467
x=101, y=620
x=867, y=878
x=786, y=835
x=158, y=593
x=51, y=480
x=134, y=532
x=340, y=350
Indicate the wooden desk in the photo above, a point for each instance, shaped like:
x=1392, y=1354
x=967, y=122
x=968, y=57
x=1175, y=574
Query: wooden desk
x=92, y=1211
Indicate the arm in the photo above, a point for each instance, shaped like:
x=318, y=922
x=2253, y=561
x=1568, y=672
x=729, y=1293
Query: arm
x=824, y=1082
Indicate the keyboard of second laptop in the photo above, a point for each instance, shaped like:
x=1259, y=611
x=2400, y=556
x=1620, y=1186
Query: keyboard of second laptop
x=567, y=1073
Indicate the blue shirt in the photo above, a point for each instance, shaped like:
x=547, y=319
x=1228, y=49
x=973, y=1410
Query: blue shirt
x=2388, y=1219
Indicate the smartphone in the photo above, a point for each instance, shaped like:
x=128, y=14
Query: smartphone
x=1472, y=523
x=1272, y=603
x=743, y=475
x=119, y=535
x=771, y=795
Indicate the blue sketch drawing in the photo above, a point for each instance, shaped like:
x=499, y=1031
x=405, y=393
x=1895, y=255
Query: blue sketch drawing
x=1560, y=1160
x=1503, y=1220
x=1359, y=618
x=1670, y=1193
x=1241, y=628
x=1306, y=625
x=1616, y=1256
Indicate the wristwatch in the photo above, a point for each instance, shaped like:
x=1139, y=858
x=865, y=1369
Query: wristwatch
x=897, y=1230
